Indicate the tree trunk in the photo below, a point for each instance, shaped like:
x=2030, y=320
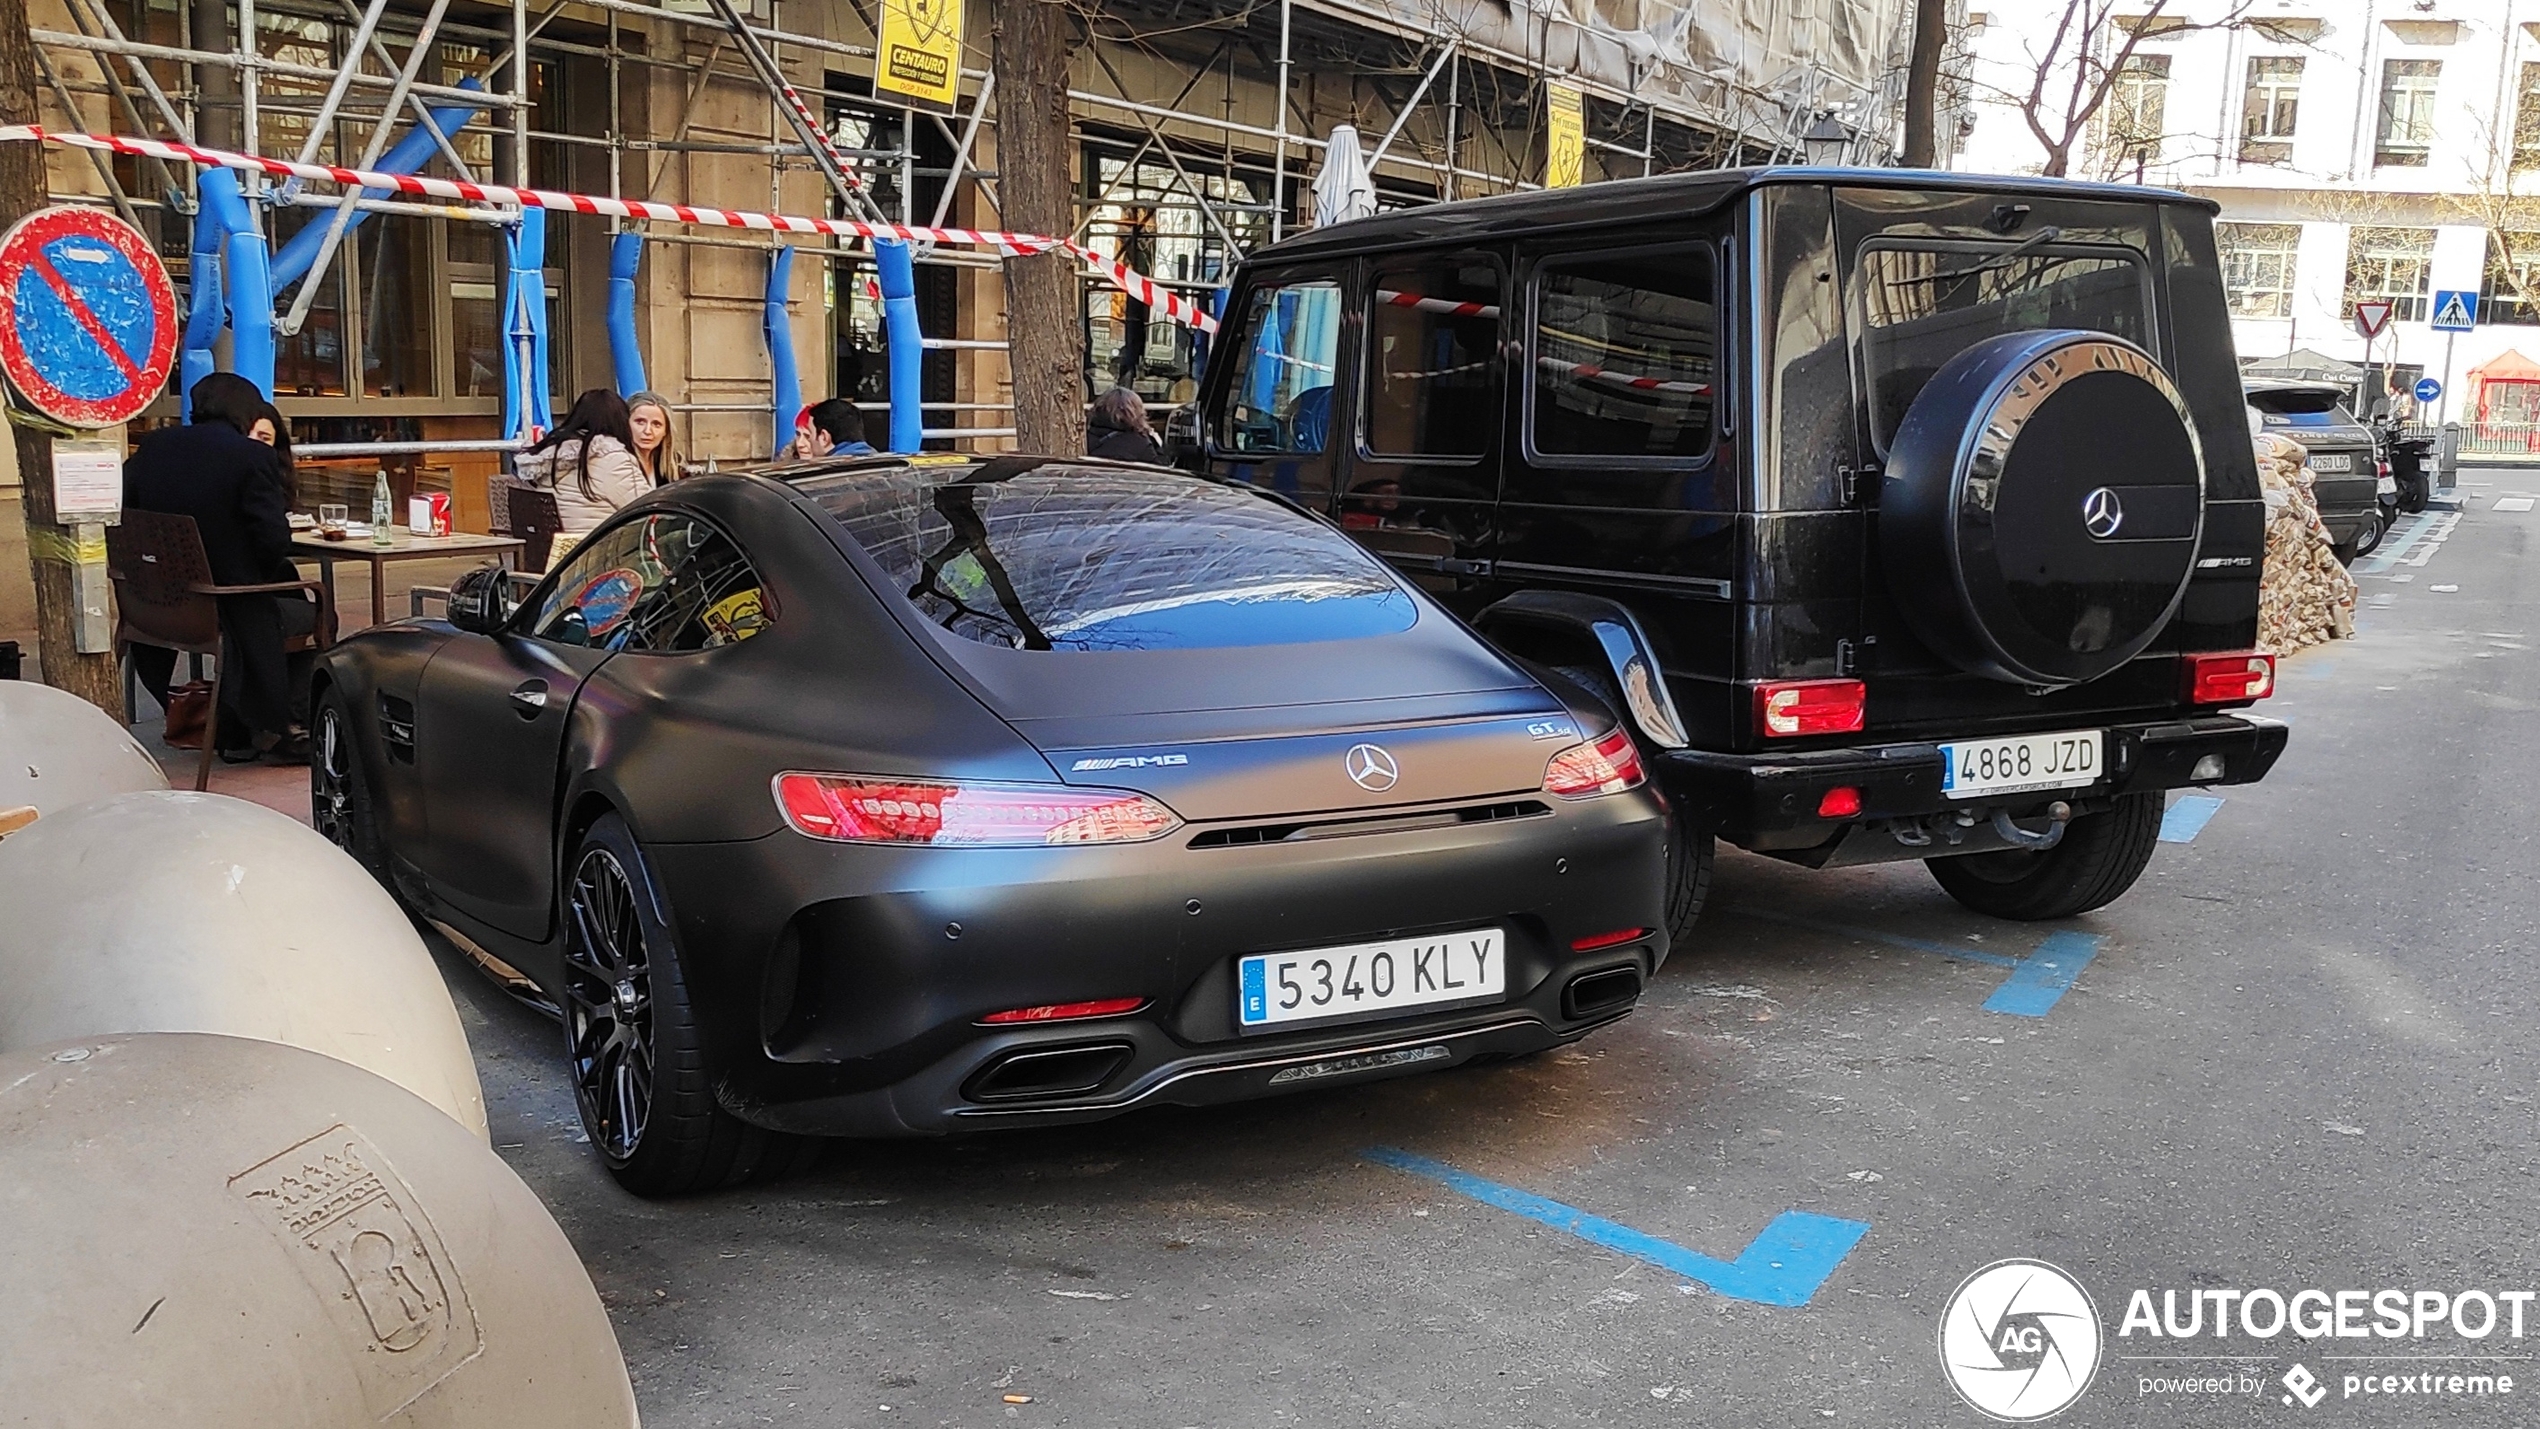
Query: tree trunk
x=1922, y=83
x=1044, y=309
x=49, y=553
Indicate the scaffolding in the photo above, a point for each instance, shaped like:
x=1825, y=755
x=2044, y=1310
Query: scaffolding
x=1169, y=104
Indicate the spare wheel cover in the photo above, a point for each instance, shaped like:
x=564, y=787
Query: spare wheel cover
x=2042, y=507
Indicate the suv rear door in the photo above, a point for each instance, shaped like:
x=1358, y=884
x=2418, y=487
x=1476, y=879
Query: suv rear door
x=1925, y=276
x=1281, y=422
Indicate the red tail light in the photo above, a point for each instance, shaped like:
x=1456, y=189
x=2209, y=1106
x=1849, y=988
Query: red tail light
x=1066, y=1011
x=1614, y=939
x=2229, y=679
x=1841, y=802
x=1607, y=766
x=1786, y=708
x=856, y=809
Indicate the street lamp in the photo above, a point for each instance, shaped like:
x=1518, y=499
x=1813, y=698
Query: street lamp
x=1826, y=141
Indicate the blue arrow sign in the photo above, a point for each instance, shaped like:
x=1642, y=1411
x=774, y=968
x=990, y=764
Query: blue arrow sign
x=2427, y=389
x=2454, y=311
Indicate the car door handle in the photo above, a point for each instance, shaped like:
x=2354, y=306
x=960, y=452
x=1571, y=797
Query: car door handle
x=529, y=699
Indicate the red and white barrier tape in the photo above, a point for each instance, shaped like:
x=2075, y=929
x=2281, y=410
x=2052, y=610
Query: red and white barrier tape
x=1584, y=371
x=1138, y=286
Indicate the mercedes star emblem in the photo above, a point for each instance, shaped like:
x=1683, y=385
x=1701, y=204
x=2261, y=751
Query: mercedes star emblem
x=2102, y=513
x=1370, y=768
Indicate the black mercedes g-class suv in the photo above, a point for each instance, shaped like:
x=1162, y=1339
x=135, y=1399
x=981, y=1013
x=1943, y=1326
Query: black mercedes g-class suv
x=1906, y=515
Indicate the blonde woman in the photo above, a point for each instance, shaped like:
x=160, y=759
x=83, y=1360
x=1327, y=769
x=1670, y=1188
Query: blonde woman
x=648, y=415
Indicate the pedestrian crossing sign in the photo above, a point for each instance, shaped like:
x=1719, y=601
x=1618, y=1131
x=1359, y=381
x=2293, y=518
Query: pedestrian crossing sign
x=2455, y=311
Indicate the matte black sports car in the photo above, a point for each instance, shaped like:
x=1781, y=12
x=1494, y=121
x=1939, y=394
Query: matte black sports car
x=886, y=797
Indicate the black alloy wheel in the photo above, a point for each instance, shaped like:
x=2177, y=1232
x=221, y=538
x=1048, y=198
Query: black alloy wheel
x=641, y=1076
x=339, y=796
x=609, y=1007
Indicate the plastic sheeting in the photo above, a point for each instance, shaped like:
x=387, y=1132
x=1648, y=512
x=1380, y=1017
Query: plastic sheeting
x=1753, y=64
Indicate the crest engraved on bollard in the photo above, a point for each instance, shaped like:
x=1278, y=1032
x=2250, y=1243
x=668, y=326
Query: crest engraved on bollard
x=364, y=1245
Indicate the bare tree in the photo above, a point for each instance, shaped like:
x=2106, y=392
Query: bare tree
x=1044, y=317
x=1922, y=83
x=2088, y=57
x=49, y=547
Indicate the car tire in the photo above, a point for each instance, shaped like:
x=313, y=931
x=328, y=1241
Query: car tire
x=633, y=1045
x=2100, y=857
x=1690, y=855
x=2352, y=548
x=339, y=789
x=2368, y=539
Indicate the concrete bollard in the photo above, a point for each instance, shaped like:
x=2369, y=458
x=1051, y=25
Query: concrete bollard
x=57, y=750
x=224, y=1233
x=183, y=912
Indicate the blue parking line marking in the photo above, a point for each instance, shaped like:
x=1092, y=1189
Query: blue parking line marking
x=2044, y=976
x=2390, y=553
x=1782, y=1266
x=2188, y=817
x=2037, y=982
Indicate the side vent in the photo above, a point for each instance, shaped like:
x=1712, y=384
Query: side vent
x=397, y=728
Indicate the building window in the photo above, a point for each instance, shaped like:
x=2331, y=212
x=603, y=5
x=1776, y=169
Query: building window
x=2138, y=111
x=2407, y=113
x=2527, y=119
x=2390, y=264
x=2257, y=265
x=2510, y=290
x=2269, y=109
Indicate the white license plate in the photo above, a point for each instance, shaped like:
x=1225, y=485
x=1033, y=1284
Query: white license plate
x=1397, y=975
x=2022, y=764
x=2334, y=462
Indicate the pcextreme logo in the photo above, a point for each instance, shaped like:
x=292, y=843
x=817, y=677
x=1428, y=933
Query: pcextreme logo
x=2019, y=1340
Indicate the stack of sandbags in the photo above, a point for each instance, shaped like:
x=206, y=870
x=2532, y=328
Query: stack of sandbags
x=2305, y=596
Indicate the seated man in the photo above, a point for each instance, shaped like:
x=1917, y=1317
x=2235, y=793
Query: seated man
x=233, y=487
x=829, y=428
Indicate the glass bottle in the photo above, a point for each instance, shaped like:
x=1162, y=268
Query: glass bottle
x=380, y=512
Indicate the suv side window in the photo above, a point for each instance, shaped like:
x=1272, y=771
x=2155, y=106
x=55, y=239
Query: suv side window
x=666, y=582
x=1280, y=400
x=1432, y=350
x=1626, y=351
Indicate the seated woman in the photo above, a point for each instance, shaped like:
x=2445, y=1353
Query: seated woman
x=588, y=461
x=648, y=415
x=238, y=492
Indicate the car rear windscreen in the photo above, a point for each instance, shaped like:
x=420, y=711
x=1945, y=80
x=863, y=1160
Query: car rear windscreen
x=1087, y=558
x=1924, y=302
x=2297, y=408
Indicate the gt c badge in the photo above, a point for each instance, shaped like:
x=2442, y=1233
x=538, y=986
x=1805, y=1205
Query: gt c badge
x=2102, y=513
x=1370, y=768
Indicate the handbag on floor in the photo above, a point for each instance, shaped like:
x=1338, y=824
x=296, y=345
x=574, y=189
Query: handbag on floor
x=189, y=714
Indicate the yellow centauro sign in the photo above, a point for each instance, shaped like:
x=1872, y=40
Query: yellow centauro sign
x=921, y=52
x=1568, y=149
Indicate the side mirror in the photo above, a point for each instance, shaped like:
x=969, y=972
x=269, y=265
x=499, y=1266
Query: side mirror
x=481, y=600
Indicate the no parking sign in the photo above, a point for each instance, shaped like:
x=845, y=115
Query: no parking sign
x=87, y=316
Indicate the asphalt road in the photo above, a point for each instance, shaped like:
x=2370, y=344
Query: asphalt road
x=2299, y=1056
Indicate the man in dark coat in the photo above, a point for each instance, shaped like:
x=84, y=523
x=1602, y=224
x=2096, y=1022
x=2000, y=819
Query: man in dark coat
x=233, y=486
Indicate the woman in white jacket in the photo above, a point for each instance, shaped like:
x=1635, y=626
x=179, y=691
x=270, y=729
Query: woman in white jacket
x=588, y=461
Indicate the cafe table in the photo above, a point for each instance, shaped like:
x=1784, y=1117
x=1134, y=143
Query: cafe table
x=402, y=546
